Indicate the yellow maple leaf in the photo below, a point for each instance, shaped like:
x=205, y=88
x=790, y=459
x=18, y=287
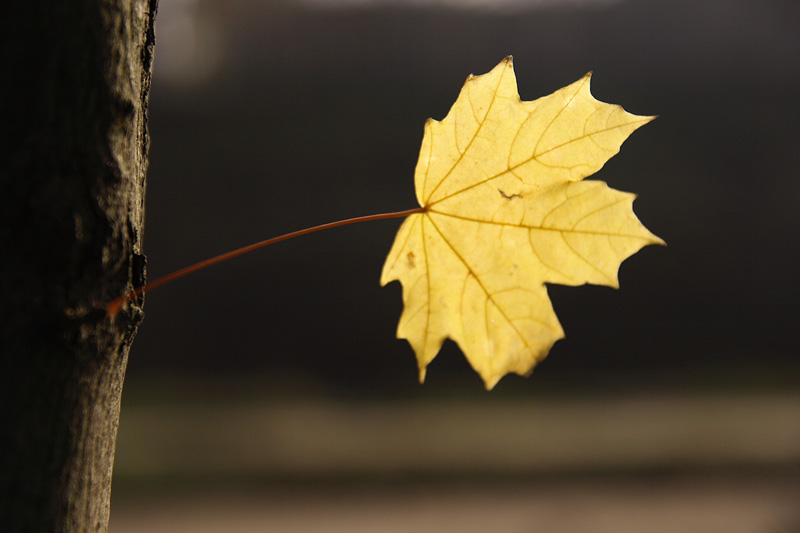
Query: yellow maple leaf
x=504, y=211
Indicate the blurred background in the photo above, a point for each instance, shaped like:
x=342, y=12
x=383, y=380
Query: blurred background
x=270, y=393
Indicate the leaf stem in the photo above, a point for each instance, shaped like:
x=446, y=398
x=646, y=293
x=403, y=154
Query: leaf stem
x=114, y=307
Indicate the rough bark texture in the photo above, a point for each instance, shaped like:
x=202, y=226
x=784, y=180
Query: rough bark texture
x=73, y=154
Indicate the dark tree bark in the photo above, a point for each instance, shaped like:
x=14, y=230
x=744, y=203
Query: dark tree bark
x=74, y=84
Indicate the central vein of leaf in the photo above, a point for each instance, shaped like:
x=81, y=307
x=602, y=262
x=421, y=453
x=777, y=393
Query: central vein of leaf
x=472, y=139
x=486, y=291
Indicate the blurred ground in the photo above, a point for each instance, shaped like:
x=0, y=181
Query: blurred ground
x=234, y=458
x=724, y=505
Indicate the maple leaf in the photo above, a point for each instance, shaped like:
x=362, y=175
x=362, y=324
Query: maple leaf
x=504, y=211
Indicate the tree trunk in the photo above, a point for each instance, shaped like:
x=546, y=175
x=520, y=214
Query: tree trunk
x=74, y=88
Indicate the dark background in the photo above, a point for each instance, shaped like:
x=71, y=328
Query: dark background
x=270, y=393
x=267, y=117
